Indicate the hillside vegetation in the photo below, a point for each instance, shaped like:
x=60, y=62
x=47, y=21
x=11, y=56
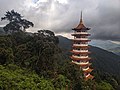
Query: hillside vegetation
x=36, y=61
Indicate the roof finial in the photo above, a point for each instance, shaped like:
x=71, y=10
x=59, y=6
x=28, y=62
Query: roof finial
x=81, y=21
x=81, y=15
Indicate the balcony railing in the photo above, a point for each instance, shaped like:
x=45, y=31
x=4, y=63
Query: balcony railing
x=80, y=56
x=80, y=50
x=81, y=32
x=84, y=69
x=80, y=39
x=80, y=44
x=81, y=63
x=87, y=75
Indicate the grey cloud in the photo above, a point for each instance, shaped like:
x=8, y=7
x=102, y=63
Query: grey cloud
x=108, y=24
x=102, y=16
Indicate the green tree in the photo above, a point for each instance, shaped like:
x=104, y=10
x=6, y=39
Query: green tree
x=6, y=56
x=16, y=22
x=104, y=86
x=61, y=82
x=13, y=77
x=6, y=52
x=44, y=45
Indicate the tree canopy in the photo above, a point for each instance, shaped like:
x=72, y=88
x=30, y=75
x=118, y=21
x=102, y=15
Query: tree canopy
x=16, y=22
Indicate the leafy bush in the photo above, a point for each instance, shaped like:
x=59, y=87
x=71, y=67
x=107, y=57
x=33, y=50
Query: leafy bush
x=14, y=78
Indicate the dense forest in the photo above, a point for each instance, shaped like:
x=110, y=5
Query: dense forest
x=35, y=61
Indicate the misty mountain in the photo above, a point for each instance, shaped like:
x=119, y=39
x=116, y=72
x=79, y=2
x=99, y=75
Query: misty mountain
x=101, y=59
x=107, y=45
x=115, y=50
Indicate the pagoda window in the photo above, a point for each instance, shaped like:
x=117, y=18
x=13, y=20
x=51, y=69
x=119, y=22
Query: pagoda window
x=86, y=74
x=81, y=55
x=83, y=37
x=78, y=37
x=83, y=31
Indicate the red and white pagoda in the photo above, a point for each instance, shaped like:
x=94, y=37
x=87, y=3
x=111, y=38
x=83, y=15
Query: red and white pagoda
x=80, y=53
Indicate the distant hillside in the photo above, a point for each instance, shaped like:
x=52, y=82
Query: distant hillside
x=107, y=45
x=1, y=30
x=101, y=59
x=65, y=42
x=104, y=44
x=116, y=50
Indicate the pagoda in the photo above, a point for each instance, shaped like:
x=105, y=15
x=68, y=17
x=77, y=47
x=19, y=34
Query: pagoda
x=80, y=53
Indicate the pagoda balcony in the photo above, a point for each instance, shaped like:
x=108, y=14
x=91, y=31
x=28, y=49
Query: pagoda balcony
x=78, y=59
x=86, y=47
x=88, y=70
x=80, y=39
x=80, y=56
x=77, y=41
x=84, y=69
x=81, y=63
x=89, y=76
x=80, y=44
x=81, y=32
x=80, y=51
x=78, y=34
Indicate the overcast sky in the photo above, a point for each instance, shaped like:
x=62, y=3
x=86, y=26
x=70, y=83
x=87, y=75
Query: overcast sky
x=60, y=16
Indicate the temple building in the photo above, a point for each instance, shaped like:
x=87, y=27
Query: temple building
x=80, y=52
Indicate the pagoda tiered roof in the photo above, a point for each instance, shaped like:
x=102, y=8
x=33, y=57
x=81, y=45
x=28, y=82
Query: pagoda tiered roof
x=81, y=25
x=89, y=77
x=81, y=64
x=88, y=70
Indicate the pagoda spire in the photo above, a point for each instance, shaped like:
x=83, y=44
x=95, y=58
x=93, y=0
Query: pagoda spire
x=81, y=19
x=81, y=24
